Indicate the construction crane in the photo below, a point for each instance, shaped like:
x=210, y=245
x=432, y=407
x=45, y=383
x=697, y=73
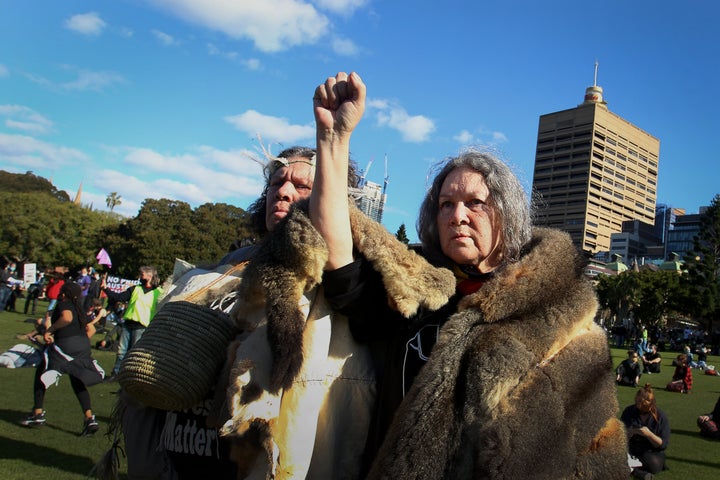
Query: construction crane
x=364, y=173
x=387, y=178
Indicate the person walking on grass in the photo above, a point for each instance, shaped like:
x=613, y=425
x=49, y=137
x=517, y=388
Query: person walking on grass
x=67, y=350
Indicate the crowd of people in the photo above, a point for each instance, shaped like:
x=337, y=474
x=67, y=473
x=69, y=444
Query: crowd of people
x=646, y=425
x=357, y=357
x=628, y=334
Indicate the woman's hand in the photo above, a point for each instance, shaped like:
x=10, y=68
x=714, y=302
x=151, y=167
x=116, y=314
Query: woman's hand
x=48, y=338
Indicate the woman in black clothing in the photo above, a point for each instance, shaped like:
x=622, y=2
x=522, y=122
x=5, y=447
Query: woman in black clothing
x=67, y=351
x=648, y=431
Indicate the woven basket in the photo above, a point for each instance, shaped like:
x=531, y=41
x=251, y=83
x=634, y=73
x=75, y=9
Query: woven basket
x=175, y=363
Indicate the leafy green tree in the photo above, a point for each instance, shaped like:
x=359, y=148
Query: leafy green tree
x=168, y=229
x=616, y=293
x=401, y=234
x=113, y=200
x=655, y=296
x=702, y=282
x=221, y=227
x=29, y=182
x=39, y=228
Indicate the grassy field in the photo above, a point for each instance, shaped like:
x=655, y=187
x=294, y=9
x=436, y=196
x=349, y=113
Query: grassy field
x=56, y=451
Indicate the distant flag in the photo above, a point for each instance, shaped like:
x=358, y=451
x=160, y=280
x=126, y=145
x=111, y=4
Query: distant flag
x=103, y=258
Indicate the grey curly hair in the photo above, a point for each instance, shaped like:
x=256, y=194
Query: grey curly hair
x=507, y=197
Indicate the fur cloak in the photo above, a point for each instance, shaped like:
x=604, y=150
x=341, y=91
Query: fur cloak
x=518, y=385
x=293, y=389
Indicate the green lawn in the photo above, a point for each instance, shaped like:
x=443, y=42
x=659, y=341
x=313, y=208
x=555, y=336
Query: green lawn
x=689, y=456
x=56, y=451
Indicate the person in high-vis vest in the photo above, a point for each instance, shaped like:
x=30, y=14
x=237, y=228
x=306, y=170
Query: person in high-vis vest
x=142, y=300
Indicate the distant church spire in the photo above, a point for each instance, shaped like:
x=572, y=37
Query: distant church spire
x=594, y=94
x=78, y=195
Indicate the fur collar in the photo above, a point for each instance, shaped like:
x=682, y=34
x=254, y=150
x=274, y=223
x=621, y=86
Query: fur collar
x=549, y=267
x=290, y=262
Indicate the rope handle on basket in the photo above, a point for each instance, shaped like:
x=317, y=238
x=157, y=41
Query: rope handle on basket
x=196, y=294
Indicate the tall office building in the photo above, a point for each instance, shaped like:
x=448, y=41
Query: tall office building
x=665, y=218
x=370, y=197
x=371, y=200
x=594, y=170
x=680, y=240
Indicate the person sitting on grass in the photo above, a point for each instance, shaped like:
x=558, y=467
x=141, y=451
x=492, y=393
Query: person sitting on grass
x=629, y=372
x=651, y=360
x=648, y=432
x=682, y=376
x=708, y=422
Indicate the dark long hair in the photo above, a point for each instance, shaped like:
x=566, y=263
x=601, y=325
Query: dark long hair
x=72, y=292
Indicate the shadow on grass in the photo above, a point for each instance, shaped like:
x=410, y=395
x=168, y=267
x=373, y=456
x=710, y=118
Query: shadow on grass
x=689, y=433
x=29, y=452
x=671, y=458
x=13, y=417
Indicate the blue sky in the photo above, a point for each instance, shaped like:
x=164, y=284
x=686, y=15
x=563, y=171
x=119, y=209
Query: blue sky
x=165, y=98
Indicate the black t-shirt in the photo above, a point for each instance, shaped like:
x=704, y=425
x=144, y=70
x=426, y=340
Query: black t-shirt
x=71, y=330
x=400, y=346
x=649, y=356
x=196, y=450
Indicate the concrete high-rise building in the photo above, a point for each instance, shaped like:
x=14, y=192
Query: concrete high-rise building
x=371, y=200
x=370, y=197
x=594, y=170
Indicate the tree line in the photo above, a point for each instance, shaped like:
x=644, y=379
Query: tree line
x=39, y=224
x=653, y=297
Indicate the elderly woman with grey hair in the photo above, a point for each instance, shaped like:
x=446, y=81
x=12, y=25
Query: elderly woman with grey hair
x=511, y=378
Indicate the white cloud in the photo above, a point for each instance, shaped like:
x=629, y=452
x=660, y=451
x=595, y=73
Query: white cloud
x=4, y=72
x=86, y=24
x=24, y=151
x=482, y=136
x=272, y=25
x=464, y=137
x=252, y=64
x=203, y=175
x=413, y=128
x=499, y=137
x=94, y=81
x=342, y=7
x=344, y=46
x=85, y=80
x=19, y=117
x=165, y=39
x=270, y=128
x=249, y=63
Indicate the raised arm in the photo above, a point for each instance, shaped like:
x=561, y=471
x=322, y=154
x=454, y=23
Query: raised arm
x=338, y=105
